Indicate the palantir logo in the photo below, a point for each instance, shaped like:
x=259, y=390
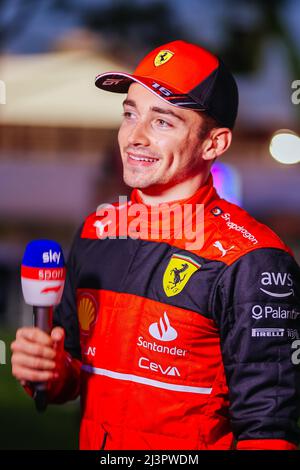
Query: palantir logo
x=162, y=330
x=257, y=312
x=271, y=280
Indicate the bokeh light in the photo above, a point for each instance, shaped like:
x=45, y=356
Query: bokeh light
x=285, y=147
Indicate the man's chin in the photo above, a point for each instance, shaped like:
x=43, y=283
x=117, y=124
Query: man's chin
x=138, y=183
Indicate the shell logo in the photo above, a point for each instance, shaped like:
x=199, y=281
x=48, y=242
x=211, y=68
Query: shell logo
x=87, y=312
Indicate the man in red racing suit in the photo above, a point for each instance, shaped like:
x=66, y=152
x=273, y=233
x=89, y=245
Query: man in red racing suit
x=170, y=343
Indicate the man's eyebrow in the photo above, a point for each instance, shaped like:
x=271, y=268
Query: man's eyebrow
x=156, y=109
x=129, y=103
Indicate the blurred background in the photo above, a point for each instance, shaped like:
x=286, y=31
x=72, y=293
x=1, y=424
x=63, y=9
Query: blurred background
x=58, y=150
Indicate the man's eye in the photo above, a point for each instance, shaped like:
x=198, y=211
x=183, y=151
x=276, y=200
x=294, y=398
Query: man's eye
x=163, y=123
x=127, y=114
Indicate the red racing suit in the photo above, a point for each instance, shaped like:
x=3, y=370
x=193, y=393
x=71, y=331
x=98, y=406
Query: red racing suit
x=182, y=347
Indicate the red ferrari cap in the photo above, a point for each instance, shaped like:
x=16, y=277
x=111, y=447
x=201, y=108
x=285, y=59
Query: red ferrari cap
x=184, y=75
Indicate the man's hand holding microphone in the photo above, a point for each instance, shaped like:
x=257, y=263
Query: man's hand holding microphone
x=39, y=360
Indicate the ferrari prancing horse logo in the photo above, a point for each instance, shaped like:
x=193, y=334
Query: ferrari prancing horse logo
x=163, y=57
x=177, y=273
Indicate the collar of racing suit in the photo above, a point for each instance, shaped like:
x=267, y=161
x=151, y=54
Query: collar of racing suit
x=203, y=195
x=174, y=217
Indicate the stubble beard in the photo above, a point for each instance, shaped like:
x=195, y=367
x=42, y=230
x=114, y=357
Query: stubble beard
x=137, y=180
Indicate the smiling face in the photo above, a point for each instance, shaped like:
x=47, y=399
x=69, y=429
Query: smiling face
x=159, y=143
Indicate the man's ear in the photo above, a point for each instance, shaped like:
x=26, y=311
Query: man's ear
x=216, y=143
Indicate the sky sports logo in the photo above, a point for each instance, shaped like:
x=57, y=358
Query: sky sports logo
x=51, y=257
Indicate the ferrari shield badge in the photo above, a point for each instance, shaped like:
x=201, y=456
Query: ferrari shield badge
x=162, y=57
x=177, y=273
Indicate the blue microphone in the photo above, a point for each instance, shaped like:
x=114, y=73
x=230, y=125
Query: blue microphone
x=43, y=276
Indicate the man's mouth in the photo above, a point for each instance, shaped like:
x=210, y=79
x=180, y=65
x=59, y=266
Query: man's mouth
x=141, y=160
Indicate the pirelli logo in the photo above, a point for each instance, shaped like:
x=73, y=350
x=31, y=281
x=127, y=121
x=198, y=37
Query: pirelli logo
x=267, y=332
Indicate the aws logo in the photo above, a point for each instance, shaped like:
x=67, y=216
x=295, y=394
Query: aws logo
x=177, y=273
x=272, y=281
x=87, y=312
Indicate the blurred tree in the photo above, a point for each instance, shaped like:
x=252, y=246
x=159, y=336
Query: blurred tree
x=133, y=28
x=249, y=28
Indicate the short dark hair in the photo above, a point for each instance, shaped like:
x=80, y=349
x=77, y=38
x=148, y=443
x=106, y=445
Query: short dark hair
x=208, y=124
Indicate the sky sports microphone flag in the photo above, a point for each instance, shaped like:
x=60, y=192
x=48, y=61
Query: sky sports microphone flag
x=43, y=273
x=43, y=276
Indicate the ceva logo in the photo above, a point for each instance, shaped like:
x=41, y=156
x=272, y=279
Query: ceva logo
x=145, y=363
x=162, y=330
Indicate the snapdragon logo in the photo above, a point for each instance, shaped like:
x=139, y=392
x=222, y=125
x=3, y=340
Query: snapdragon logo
x=2, y=92
x=239, y=228
x=2, y=353
x=295, y=97
x=127, y=219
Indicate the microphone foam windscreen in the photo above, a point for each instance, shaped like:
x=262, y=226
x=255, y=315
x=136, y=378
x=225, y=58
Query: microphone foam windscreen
x=43, y=273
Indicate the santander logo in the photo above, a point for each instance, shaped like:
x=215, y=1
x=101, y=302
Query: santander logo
x=162, y=330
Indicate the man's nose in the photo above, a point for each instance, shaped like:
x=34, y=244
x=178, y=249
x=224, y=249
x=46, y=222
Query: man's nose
x=139, y=135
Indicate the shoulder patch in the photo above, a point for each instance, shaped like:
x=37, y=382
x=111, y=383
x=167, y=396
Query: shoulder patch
x=233, y=232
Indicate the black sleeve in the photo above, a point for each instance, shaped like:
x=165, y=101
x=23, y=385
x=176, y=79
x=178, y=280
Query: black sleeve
x=256, y=306
x=65, y=315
